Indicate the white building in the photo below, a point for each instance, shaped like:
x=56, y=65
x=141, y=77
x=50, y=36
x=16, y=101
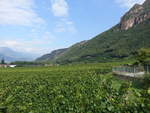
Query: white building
x=12, y=66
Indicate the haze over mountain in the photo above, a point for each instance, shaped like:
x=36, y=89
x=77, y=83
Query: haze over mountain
x=121, y=41
x=10, y=55
x=52, y=55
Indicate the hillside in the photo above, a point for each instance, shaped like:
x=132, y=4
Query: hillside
x=53, y=55
x=131, y=34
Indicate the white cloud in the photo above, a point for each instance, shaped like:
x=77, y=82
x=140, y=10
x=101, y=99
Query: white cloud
x=60, y=8
x=18, y=12
x=65, y=25
x=26, y=46
x=37, y=46
x=129, y=3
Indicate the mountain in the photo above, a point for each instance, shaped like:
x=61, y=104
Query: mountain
x=10, y=55
x=119, y=42
x=56, y=53
x=52, y=56
x=136, y=15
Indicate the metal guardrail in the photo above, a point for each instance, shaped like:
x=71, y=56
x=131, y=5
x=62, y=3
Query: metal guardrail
x=147, y=68
x=130, y=71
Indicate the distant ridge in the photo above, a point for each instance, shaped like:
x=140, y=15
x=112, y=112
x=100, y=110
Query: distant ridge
x=51, y=56
x=119, y=42
x=10, y=55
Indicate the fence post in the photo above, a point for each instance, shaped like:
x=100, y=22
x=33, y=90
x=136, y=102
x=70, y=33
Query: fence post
x=148, y=71
x=134, y=71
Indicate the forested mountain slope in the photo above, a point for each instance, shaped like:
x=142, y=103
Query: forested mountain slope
x=131, y=34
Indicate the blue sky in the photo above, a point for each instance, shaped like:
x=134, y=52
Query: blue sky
x=40, y=26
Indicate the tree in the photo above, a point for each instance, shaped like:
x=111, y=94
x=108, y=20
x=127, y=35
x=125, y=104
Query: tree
x=3, y=61
x=143, y=56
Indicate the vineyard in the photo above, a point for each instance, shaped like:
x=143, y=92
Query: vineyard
x=69, y=89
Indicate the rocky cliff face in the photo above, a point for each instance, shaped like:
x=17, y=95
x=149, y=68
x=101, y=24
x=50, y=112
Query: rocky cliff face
x=136, y=15
x=147, y=3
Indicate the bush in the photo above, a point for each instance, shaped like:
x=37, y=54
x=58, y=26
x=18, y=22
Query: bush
x=146, y=81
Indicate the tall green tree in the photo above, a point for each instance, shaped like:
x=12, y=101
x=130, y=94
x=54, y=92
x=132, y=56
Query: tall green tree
x=3, y=61
x=143, y=56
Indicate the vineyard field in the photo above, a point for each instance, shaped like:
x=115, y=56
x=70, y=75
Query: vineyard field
x=84, y=88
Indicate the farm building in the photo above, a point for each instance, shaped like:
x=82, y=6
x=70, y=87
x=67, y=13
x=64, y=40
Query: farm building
x=4, y=65
x=12, y=66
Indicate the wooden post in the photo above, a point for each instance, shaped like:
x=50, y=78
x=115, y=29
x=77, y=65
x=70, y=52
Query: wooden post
x=134, y=70
x=148, y=69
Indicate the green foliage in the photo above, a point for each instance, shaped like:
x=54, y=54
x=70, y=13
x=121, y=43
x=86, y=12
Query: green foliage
x=143, y=56
x=69, y=89
x=146, y=81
